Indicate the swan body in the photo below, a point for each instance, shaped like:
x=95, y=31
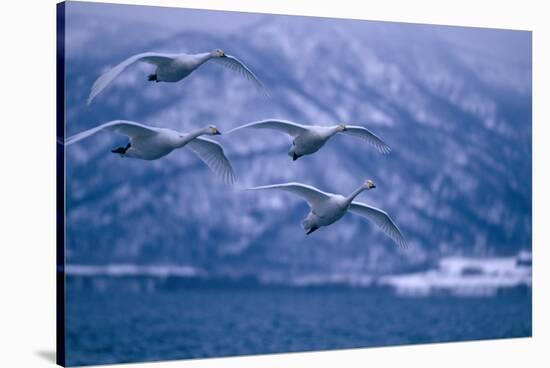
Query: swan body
x=174, y=67
x=151, y=143
x=308, y=139
x=327, y=208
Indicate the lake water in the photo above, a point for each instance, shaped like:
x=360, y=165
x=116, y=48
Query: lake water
x=128, y=326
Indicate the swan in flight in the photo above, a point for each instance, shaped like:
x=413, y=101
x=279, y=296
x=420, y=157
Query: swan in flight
x=175, y=67
x=308, y=139
x=327, y=208
x=150, y=143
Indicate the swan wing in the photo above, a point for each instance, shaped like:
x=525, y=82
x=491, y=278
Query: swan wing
x=211, y=152
x=236, y=65
x=128, y=128
x=106, y=78
x=286, y=126
x=312, y=195
x=362, y=132
x=380, y=218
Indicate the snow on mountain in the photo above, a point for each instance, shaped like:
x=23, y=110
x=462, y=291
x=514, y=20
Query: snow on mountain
x=455, y=110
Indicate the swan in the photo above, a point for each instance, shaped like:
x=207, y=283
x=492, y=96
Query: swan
x=308, y=139
x=327, y=208
x=175, y=67
x=151, y=143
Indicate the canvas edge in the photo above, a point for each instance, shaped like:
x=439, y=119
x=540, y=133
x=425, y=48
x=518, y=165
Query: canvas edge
x=60, y=184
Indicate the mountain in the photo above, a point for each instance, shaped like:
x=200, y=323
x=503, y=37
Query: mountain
x=453, y=103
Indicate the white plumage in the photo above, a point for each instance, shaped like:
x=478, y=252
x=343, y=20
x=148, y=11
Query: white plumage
x=308, y=139
x=151, y=143
x=175, y=67
x=327, y=208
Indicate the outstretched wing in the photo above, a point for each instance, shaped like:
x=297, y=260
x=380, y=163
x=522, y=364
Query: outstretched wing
x=128, y=128
x=211, y=152
x=380, y=218
x=312, y=195
x=235, y=64
x=369, y=136
x=288, y=127
x=148, y=57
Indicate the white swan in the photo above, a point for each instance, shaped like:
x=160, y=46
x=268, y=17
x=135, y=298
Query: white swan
x=175, y=67
x=150, y=143
x=308, y=139
x=327, y=208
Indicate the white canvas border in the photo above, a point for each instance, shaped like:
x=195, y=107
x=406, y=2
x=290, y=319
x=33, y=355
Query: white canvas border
x=27, y=316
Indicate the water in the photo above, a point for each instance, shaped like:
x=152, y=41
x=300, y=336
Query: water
x=115, y=326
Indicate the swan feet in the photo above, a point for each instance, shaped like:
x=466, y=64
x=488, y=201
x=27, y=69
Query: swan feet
x=152, y=77
x=122, y=150
x=293, y=154
x=312, y=230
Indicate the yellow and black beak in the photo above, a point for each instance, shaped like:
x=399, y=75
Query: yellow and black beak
x=215, y=131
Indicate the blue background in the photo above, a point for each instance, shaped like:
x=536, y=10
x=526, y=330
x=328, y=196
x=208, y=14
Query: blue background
x=453, y=103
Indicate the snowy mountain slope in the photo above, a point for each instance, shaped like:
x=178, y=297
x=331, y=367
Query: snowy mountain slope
x=456, y=113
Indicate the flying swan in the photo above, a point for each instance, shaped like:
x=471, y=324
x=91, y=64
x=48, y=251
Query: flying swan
x=175, y=67
x=308, y=139
x=327, y=208
x=150, y=143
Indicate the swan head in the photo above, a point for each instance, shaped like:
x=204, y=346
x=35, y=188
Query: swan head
x=342, y=127
x=218, y=53
x=213, y=130
x=369, y=184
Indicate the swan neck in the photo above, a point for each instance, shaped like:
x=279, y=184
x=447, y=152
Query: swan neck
x=189, y=137
x=204, y=57
x=336, y=129
x=355, y=193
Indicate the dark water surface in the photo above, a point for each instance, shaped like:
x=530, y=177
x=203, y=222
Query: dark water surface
x=108, y=327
